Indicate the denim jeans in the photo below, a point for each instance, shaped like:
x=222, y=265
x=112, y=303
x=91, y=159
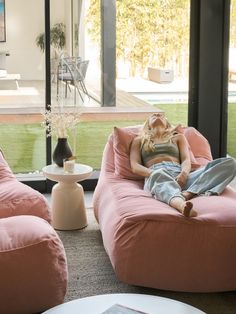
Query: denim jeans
x=209, y=180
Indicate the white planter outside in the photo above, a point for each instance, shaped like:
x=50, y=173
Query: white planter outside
x=160, y=75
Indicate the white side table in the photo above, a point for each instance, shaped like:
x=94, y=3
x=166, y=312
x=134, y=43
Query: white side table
x=141, y=302
x=68, y=208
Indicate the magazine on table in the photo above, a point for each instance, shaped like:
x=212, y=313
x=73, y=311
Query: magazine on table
x=122, y=309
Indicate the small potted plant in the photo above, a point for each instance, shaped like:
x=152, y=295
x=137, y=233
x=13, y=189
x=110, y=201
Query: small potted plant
x=58, y=43
x=57, y=39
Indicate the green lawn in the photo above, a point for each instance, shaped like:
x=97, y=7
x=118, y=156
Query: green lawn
x=24, y=145
x=25, y=148
x=177, y=113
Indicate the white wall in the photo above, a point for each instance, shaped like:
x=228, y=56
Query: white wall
x=24, y=21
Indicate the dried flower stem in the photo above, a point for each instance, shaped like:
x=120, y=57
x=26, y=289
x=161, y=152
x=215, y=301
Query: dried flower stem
x=57, y=121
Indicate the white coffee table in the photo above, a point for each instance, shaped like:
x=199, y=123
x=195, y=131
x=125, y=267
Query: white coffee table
x=68, y=208
x=147, y=303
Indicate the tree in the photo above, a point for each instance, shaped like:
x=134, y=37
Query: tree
x=149, y=33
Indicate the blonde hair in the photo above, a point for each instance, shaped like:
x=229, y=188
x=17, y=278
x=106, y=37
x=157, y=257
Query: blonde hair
x=147, y=136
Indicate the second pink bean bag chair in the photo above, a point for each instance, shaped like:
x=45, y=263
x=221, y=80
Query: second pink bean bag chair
x=151, y=244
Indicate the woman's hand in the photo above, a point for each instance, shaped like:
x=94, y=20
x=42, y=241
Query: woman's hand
x=181, y=179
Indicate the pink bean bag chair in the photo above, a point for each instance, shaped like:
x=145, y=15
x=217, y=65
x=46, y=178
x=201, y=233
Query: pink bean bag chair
x=151, y=244
x=33, y=267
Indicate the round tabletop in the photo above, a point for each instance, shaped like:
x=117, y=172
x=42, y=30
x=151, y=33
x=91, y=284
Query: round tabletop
x=140, y=302
x=55, y=173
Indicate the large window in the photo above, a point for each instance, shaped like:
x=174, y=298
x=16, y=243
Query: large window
x=152, y=69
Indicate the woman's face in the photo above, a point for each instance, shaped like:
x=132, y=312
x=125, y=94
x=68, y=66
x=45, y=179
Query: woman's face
x=157, y=119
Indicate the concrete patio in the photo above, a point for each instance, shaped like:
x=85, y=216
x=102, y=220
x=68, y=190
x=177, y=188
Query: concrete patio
x=134, y=95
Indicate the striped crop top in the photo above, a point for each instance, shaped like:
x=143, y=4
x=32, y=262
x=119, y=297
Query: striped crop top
x=161, y=149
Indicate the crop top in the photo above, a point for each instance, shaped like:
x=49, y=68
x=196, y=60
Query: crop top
x=161, y=149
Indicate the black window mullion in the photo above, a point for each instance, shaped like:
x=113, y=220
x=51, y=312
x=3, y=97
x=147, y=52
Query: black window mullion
x=47, y=75
x=208, y=88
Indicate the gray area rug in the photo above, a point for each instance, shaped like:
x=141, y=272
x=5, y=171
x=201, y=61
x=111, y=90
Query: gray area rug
x=91, y=273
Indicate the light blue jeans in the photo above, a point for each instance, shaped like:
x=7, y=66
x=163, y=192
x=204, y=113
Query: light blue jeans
x=208, y=180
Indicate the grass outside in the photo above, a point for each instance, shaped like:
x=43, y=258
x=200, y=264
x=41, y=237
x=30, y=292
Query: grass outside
x=177, y=113
x=24, y=145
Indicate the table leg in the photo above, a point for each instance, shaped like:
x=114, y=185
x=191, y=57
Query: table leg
x=68, y=208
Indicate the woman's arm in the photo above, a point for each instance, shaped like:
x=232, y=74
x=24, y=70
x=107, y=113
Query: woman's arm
x=184, y=160
x=135, y=159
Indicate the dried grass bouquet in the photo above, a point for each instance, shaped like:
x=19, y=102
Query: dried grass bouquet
x=58, y=121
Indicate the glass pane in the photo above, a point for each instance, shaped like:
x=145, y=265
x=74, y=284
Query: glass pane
x=79, y=55
x=23, y=145
x=92, y=46
x=92, y=137
x=60, y=30
x=231, y=134
x=22, y=87
x=76, y=13
x=153, y=55
x=71, y=38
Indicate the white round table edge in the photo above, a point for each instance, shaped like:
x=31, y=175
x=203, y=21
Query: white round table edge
x=150, y=304
x=55, y=173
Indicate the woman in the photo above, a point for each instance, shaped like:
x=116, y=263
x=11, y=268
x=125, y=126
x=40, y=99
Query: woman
x=161, y=155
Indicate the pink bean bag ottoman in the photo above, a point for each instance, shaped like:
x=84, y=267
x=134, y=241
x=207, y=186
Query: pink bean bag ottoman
x=151, y=244
x=33, y=267
x=17, y=198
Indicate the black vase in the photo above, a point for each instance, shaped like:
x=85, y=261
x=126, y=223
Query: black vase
x=61, y=151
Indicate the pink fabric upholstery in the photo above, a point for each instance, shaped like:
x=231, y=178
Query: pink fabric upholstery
x=199, y=148
x=17, y=198
x=200, y=151
x=198, y=143
x=122, y=138
x=33, y=267
x=5, y=171
x=150, y=244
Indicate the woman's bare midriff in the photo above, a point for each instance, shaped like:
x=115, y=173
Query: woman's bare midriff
x=159, y=159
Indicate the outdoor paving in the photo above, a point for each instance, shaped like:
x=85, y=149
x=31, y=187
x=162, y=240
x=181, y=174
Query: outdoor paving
x=30, y=97
x=137, y=85
x=26, y=104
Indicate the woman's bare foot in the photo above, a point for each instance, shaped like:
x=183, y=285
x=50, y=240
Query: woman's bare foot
x=188, y=195
x=188, y=210
x=185, y=207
